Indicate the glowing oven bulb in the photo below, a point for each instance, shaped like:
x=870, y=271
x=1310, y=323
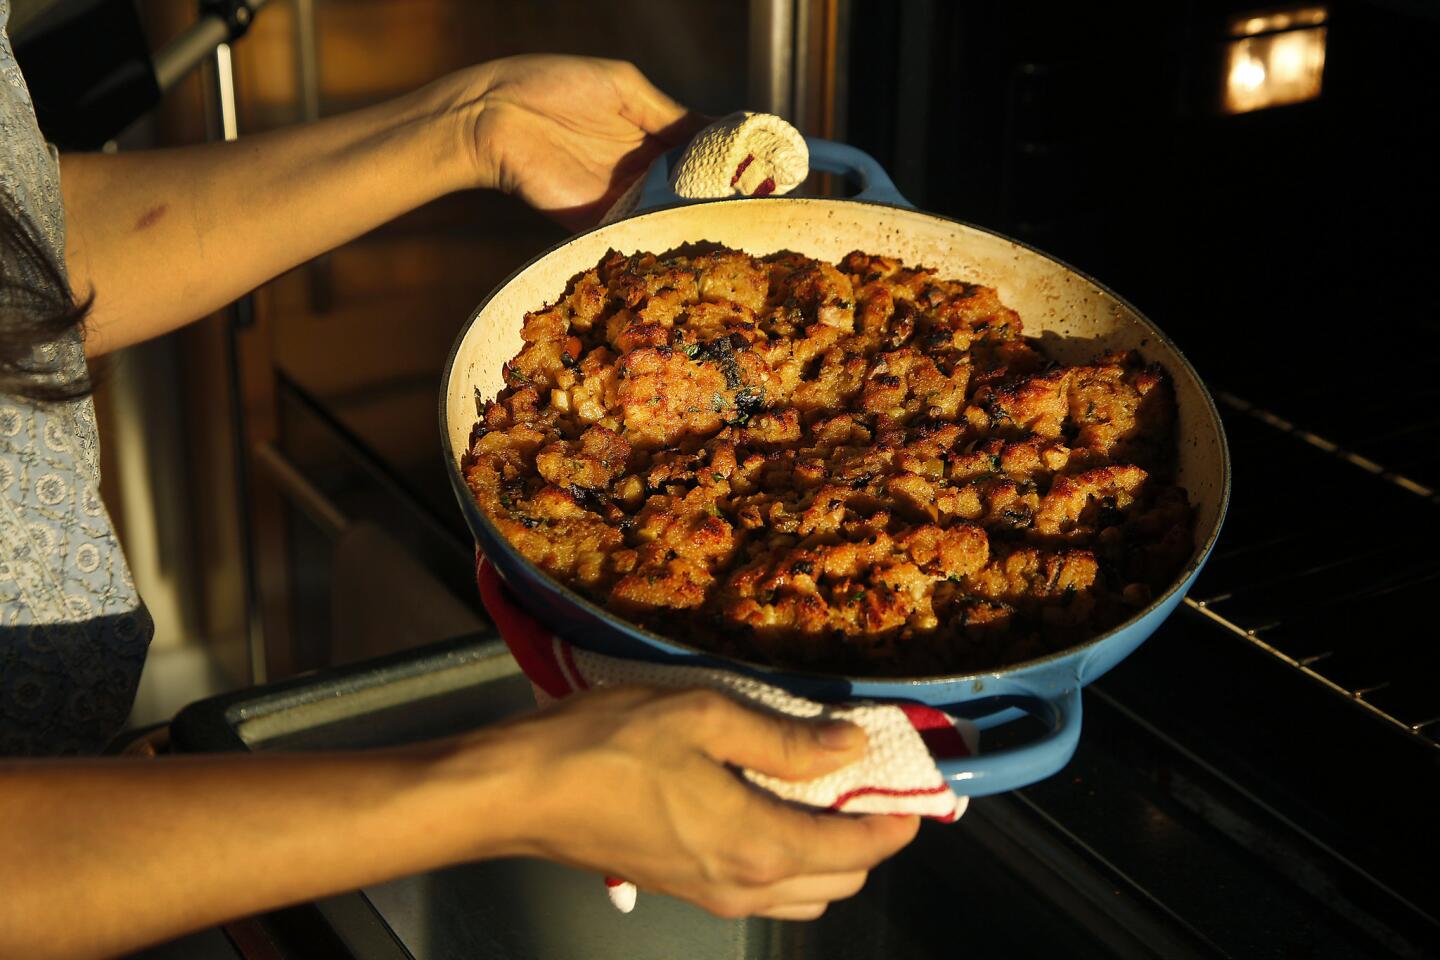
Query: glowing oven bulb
x=1248, y=74
x=1276, y=58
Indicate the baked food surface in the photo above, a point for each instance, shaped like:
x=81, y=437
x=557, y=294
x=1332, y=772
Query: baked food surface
x=854, y=468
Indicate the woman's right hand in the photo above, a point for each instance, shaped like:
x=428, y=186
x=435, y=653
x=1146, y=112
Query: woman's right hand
x=634, y=782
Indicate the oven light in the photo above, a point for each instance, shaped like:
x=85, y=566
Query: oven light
x=1281, y=66
x=1247, y=75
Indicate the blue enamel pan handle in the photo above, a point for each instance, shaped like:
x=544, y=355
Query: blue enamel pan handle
x=1006, y=770
x=826, y=156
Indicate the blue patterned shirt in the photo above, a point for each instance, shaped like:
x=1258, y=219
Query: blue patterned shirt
x=73, y=632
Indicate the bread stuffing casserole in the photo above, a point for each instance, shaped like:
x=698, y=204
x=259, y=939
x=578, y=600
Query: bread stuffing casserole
x=856, y=468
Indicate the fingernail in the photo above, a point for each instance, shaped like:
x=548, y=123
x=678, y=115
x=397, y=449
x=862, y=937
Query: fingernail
x=839, y=735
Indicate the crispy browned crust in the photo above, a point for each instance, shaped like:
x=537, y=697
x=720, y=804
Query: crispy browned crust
x=856, y=467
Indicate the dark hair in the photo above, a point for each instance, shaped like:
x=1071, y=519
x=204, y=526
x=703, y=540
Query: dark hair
x=36, y=308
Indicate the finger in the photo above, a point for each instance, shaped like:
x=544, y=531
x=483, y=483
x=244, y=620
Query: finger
x=812, y=888
x=684, y=129
x=800, y=911
x=644, y=104
x=784, y=747
x=797, y=893
x=831, y=843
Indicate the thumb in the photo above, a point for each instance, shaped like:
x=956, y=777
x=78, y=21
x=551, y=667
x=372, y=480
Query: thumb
x=784, y=747
x=655, y=112
x=683, y=130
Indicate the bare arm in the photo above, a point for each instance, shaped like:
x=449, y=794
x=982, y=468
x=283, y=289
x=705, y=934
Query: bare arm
x=165, y=237
x=105, y=856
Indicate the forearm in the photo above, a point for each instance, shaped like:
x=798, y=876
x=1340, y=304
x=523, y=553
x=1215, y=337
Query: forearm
x=104, y=856
x=165, y=237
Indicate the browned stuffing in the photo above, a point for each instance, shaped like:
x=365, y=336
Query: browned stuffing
x=854, y=467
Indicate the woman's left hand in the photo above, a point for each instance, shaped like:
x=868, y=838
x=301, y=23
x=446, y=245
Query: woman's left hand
x=567, y=134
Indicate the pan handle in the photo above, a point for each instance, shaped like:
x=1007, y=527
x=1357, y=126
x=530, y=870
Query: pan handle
x=1006, y=770
x=826, y=156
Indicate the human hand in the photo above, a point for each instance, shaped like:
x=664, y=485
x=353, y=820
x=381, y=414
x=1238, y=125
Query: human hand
x=568, y=134
x=633, y=782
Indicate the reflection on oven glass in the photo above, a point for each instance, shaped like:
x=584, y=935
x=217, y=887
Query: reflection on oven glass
x=1269, y=21
x=1277, y=58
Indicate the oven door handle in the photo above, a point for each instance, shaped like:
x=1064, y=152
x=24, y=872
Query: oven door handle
x=1009, y=769
x=826, y=156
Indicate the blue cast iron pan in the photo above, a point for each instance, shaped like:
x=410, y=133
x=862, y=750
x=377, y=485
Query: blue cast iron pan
x=1074, y=316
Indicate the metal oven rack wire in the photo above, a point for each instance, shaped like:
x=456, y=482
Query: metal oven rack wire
x=1327, y=564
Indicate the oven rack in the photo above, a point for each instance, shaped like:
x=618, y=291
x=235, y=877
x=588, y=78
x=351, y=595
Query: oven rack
x=1331, y=572
x=1349, y=456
